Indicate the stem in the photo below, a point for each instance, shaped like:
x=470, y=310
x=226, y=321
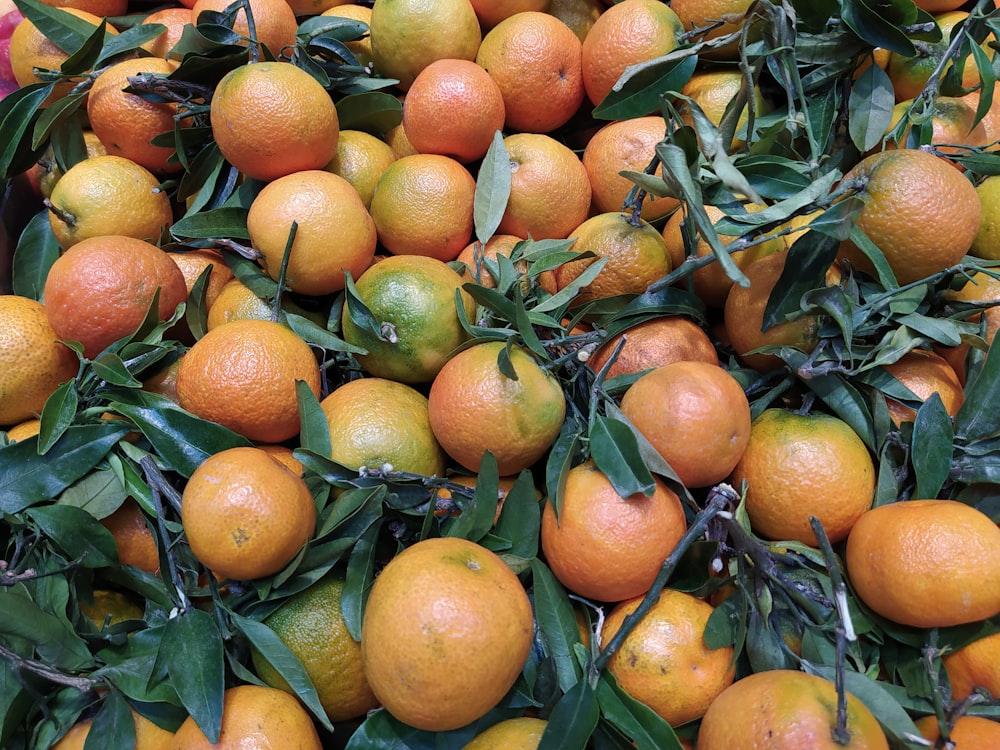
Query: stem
x=18, y=662
x=156, y=483
x=276, y=309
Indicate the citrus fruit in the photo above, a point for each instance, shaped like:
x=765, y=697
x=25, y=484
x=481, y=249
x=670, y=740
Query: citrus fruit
x=549, y=188
x=254, y=716
x=245, y=514
x=463, y=641
x=109, y=608
x=801, y=465
x=270, y=119
x=148, y=735
x=695, y=415
x=607, y=547
x=360, y=48
x=921, y=212
x=361, y=159
x=923, y=373
x=453, y=108
x=274, y=21
x=654, y=343
x=100, y=290
x=536, y=61
x=492, y=12
x=24, y=430
x=976, y=665
x=284, y=455
x=194, y=262
x=334, y=232
x=954, y=128
x=910, y=74
x=412, y=299
x=579, y=15
x=243, y=374
x=311, y=624
x=633, y=249
x=422, y=205
x=134, y=540
x=175, y=19
x=987, y=241
x=376, y=423
x=782, y=709
x=33, y=362
x=475, y=407
x=48, y=170
x=664, y=662
x=926, y=563
x=522, y=733
x=967, y=732
x=480, y=260
x=698, y=14
x=713, y=90
x=99, y=8
x=108, y=195
x=313, y=7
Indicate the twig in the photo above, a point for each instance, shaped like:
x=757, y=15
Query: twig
x=83, y=684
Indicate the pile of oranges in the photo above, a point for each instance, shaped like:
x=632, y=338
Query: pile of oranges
x=499, y=374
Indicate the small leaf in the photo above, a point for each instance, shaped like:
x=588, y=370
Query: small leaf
x=635, y=720
x=476, y=519
x=870, y=108
x=573, y=719
x=931, y=446
x=556, y=623
x=113, y=725
x=371, y=111
x=615, y=450
x=192, y=653
x=225, y=222
x=37, y=249
x=492, y=189
x=637, y=92
x=977, y=416
x=56, y=642
x=358, y=580
x=314, y=434
x=520, y=518
x=78, y=533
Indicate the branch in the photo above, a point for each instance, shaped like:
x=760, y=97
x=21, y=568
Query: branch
x=18, y=662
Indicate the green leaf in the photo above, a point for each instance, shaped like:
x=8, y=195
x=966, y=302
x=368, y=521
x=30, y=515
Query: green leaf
x=520, y=518
x=358, y=579
x=573, y=719
x=637, y=92
x=100, y=493
x=37, y=249
x=977, y=417
x=492, y=189
x=228, y=222
x=635, y=720
x=54, y=640
x=807, y=262
x=875, y=255
x=113, y=725
x=371, y=111
x=192, y=653
x=931, y=446
x=18, y=112
x=476, y=519
x=66, y=31
x=870, y=108
x=562, y=457
x=78, y=533
x=556, y=624
x=615, y=450
x=878, y=23
x=313, y=333
x=58, y=413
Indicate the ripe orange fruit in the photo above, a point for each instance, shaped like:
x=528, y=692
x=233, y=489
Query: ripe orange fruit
x=579, y=15
x=108, y=195
x=24, y=430
x=909, y=75
x=549, y=188
x=476, y=257
x=536, y=60
x=114, y=607
x=99, y=8
x=412, y=298
x=474, y=408
x=802, y=465
x=625, y=145
x=47, y=170
x=453, y=108
x=664, y=662
x=242, y=375
x=361, y=48
x=423, y=206
x=522, y=733
x=976, y=665
x=236, y=301
x=313, y=7
x=284, y=455
x=744, y=317
x=607, y=547
x=938, y=6
x=254, y=715
x=245, y=514
x=126, y=123
x=492, y=12
x=923, y=372
x=361, y=159
x=968, y=732
x=463, y=641
x=920, y=211
x=697, y=417
x=376, y=422
x=311, y=623
x=953, y=121
x=990, y=122
x=33, y=362
x=175, y=19
x=926, y=563
x=713, y=90
x=148, y=735
x=701, y=13
x=270, y=119
x=134, y=541
x=100, y=289
x=163, y=382
x=782, y=709
x=635, y=252
x=194, y=262
x=628, y=33
x=408, y=35
x=334, y=231
x=654, y=343
x=987, y=241
x=981, y=287
x=274, y=22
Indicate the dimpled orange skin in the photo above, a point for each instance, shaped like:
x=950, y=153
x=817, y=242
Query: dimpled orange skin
x=446, y=631
x=926, y=563
x=974, y=665
x=968, y=733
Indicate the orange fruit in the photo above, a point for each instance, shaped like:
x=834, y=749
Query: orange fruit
x=284, y=455
x=695, y=415
x=920, y=211
x=782, y=709
x=664, y=662
x=968, y=732
x=549, y=188
x=134, y=540
x=194, y=262
x=412, y=298
x=242, y=375
x=987, y=240
x=99, y=8
x=270, y=119
x=245, y=514
x=923, y=372
x=938, y=6
x=744, y=317
x=148, y=735
x=712, y=91
x=521, y=733
x=607, y=547
x=108, y=195
x=579, y=15
x=909, y=75
x=536, y=61
x=408, y=35
x=24, y=430
x=991, y=120
x=399, y=142
x=274, y=21
x=113, y=607
x=654, y=343
x=423, y=206
x=236, y=301
x=976, y=665
x=49, y=172
x=334, y=231
x=361, y=48
x=33, y=362
x=474, y=408
x=628, y=33
x=254, y=715
x=163, y=382
x=694, y=14
x=926, y=563
x=492, y=12
x=175, y=19
x=361, y=159
x=953, y=124
x=477, y=258
x=625, y=145
x=463, y=641
x=100, y=290
x=634, y=250
x=313, y=7
x=311, y=623
x=802, y=465
x=982, y=287
x=453, y=108
x=376, y=423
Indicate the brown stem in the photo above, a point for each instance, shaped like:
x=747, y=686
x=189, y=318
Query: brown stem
x=83, y=684
x=64, y=216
